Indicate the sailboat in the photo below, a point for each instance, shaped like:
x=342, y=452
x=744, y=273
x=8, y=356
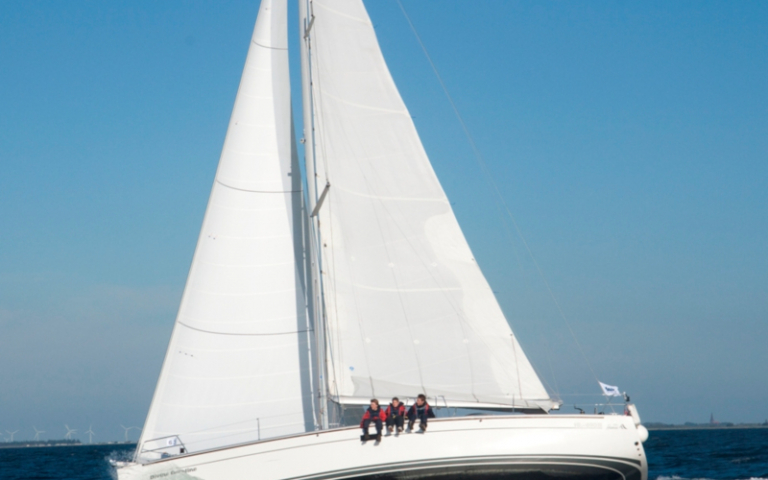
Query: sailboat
x=307, y=298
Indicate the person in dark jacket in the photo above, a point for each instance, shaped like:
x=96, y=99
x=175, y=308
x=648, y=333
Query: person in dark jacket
x=395, y=414
x=420, y=411
x=374, y=415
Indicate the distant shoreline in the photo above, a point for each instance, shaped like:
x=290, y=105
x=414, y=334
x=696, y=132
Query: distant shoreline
x=51, y=445
x=706, y=427
x=653, y=428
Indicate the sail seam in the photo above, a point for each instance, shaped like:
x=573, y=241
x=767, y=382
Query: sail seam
x=395, y=199
x=342, y=14
x=241, y=237
x=238, y=377
x=265, y=46
x=249, y=294
x=274, y=319
x=249, y=265
x=255, y=191
x=182, y=405
x=242, y=334
x=365, y=107
x=405, y=290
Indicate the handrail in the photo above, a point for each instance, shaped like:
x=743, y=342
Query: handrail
x=599, y=406
x=171, y=441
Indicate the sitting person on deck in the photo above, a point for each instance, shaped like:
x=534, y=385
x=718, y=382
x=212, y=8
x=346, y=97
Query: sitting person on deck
x=373, y=414
x=421, y=411
x=395, y=414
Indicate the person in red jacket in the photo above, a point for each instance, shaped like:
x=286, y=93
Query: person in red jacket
x=395, y=414
x=374, y=415
x=420, y=411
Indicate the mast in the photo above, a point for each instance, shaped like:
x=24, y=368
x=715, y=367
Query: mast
x=306, y=19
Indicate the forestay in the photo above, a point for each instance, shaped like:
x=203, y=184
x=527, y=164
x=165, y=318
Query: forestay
x=237, y=367
x=408, y=309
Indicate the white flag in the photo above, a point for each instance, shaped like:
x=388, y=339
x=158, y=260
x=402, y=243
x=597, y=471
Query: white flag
x=610, y=390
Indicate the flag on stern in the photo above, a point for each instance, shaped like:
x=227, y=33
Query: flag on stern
x=610, y=390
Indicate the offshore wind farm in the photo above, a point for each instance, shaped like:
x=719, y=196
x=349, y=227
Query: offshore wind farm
x=67, y=437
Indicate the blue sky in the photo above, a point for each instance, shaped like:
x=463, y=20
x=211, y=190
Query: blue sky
x=630, y=141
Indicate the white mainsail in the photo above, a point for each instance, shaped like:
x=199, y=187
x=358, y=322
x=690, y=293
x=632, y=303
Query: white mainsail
x=238, y=365
x=408, y=310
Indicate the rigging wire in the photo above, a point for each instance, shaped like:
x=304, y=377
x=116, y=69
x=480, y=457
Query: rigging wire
x=491, y=183
x=547, y=350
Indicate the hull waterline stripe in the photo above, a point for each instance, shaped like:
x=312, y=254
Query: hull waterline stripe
x=617, y=466
x=627, y=468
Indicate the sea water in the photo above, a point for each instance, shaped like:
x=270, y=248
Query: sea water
x=720, y=454
x=734, y=454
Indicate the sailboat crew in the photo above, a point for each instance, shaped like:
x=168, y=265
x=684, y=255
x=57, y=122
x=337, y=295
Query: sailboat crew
x=395, y=414
x=374, y=415
x=421, y=411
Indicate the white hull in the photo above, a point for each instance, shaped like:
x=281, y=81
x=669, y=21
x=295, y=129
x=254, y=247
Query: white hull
x=533, y=446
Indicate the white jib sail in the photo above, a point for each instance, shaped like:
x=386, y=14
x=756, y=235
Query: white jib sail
x=238, y=364
x=408, y=309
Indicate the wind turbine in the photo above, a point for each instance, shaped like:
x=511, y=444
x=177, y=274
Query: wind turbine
x=70, y=431
x=37, y=433
x=12, y=434
x=127, y=429
x=90, y=433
